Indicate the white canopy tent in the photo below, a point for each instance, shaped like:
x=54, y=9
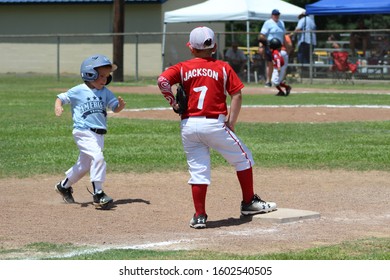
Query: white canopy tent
x=230, y=10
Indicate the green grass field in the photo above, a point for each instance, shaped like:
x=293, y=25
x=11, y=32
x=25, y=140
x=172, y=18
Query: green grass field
x=33, y=141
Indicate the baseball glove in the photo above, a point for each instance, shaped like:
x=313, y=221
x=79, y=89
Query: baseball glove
x=181, y=100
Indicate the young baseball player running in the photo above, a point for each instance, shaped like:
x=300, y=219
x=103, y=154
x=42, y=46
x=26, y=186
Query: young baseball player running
x=208, y=124
x=280, y=62
x=89, y=102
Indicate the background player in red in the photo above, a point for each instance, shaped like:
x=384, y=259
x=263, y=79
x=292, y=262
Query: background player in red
x=280, y=62
x=208, y=124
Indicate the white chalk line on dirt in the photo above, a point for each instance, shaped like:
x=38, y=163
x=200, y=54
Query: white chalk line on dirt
x=159, y=245
x=274, y=106
x=130, y=247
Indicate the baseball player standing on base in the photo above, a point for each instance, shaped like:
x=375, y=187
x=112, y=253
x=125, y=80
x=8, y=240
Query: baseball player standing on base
x=207, y=124
x=89, y=102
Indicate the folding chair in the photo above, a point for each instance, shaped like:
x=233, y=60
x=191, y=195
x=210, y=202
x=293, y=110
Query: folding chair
x=342, y=70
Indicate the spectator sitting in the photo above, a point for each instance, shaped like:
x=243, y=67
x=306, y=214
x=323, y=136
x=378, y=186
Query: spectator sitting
x=383, y=47
x=236, y=58
x=359, y=39
x=258, y=66
x=379, y=55
x=332, y=39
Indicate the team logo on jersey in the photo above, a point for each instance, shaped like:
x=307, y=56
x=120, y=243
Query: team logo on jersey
x=94, y=105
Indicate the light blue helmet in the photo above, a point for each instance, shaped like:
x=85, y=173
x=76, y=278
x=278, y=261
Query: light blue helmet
x=88, y=67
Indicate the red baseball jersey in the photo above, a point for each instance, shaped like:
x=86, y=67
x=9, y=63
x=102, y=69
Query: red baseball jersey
x=207, y=82
x=277, y=59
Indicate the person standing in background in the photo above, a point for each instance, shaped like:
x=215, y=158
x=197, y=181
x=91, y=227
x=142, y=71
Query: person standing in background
x=272, y=28
x=306, y=37
x=359, y=39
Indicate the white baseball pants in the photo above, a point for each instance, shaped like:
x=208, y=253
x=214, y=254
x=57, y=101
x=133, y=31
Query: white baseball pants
x=90, y=158
x=199, y=134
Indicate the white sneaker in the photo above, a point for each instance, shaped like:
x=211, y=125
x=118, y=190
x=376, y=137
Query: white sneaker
x=257, y=206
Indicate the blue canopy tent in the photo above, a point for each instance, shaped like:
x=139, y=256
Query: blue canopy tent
x=348, y=7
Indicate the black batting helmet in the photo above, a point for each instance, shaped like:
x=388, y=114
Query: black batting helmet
x=275, y=44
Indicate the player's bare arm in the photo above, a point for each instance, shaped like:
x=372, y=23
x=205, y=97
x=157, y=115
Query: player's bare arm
x=58, y=109
x=235, y=108
x=121, y=105
x=262, y=37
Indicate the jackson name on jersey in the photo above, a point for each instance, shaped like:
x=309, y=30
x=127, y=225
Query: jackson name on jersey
x=204, y=72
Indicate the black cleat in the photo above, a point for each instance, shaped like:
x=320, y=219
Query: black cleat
x=198, y=221
x=288, y=90
x=66, y=193
x=102, y=200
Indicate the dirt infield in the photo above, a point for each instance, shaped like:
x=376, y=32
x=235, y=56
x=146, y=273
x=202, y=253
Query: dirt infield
x=152, y=211
x=281, y=114
x=275, y=114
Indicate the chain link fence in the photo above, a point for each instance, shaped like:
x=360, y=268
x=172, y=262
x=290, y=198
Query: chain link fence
x=147, y=54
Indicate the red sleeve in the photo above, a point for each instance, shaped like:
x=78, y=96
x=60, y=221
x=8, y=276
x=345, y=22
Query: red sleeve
x=165, y=81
